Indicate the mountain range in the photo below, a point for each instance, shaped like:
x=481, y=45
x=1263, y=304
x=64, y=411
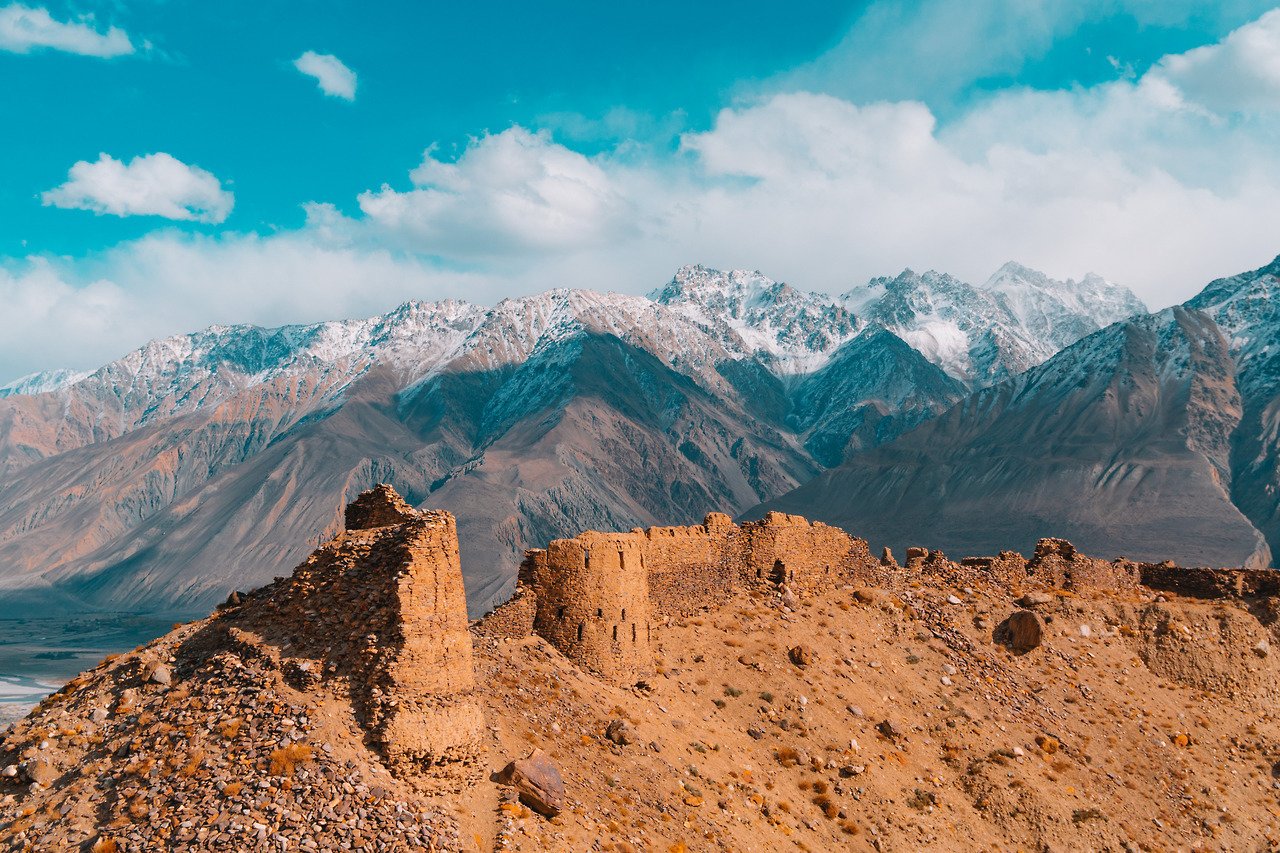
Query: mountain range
x=208, y=462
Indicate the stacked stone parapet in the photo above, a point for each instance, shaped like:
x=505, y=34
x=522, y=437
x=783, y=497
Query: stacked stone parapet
x=1057, y=563
x=1211, y=583
x=381, y=506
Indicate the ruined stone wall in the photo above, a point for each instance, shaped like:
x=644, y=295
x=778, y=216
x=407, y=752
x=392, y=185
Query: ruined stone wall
x=382, y=611
x=381, y=506
x=429, y=716
x=1057, y=563
x=807, y=556
x=1211, y=583
x=692, y=567
x=593, y=603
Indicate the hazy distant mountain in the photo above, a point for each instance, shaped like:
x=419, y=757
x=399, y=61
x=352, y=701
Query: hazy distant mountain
x=207, y=462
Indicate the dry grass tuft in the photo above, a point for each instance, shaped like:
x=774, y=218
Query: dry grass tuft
x=286, y=759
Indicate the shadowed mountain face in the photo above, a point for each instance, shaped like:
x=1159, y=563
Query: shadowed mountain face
x=214, y=461
x=1245, y=307
x=1121, y=442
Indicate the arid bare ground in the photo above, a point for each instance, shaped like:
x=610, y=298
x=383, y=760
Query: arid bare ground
x=1138, y=723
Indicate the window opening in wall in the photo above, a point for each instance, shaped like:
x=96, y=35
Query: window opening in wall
x=559, y=612
x=779, y=574
x=633, y=632
x=615, y=633
x=586, y=559
x=624, y=614
x=599, y=612
x=579, y=632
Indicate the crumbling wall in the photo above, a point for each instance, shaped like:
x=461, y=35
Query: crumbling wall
x=429, y=715
x=593, y=603
x=692, y=567
x=806, y=556
x=1008, y=569
x=382, y=611
x=1057, y=563
x=1211, y=583
x=381, y=506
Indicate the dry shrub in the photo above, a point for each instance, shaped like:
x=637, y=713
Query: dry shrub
x=787, y=757
x=193, y=763
x=829, y=808
x=106, y=845
x=286, y=759
x=231, y=728
x=232, y=789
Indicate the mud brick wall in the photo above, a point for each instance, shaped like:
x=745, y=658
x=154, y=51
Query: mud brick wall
x=807, y=556
x=1057, y=563
x=593, y=603
x=692, y=567
x=1211, y=583
x=381, y=506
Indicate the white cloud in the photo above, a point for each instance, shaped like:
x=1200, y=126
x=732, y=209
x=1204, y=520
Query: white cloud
x=1162, y=182
x=333, y=77
x=86, y=312
x=1240, y=73
x=149, y=185
x=514, y=191
x=933, y=49
x=25, y=28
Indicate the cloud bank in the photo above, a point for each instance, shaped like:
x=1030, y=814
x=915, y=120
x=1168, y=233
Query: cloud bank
x=331, y=75
x=149, y=185
x=24, y=29
x=1161, y=180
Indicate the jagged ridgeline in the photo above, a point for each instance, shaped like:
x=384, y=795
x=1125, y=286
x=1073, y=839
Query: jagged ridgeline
x=352, y=706
x=212, y=461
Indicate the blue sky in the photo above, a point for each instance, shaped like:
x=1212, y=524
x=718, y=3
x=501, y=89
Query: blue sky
x=167, y=165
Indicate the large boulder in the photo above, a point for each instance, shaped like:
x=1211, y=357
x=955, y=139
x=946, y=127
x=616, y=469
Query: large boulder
x=538, y=781
x=1021, y=632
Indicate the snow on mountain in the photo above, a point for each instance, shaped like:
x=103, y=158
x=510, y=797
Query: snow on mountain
x=1247, y=309
x=981, y=335
x=42, y=382
x=1061, y=312
x=697, y=321
x=792, y=331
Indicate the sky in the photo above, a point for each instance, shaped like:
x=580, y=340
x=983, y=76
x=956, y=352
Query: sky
x=167, y=165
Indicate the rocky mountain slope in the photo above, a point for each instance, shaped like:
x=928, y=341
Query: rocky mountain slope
x=1061, y=702
x=1156, y=435
x=205, y=462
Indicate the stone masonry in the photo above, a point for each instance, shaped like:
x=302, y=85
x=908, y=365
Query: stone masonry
x=596, y=595
x=382, y=607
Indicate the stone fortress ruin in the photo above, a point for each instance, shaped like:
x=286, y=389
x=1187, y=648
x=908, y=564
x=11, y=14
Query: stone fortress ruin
x=353, y=699
x=382, y=605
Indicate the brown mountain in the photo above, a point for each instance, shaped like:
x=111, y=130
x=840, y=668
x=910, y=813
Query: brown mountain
x=1121, y=443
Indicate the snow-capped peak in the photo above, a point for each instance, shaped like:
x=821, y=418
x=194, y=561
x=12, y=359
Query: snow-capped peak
x=1017, y=319
x=793, y=331
x=42, y=382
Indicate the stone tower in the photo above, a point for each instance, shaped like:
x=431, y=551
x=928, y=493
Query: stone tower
x=593, y=603
x=381, y=611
